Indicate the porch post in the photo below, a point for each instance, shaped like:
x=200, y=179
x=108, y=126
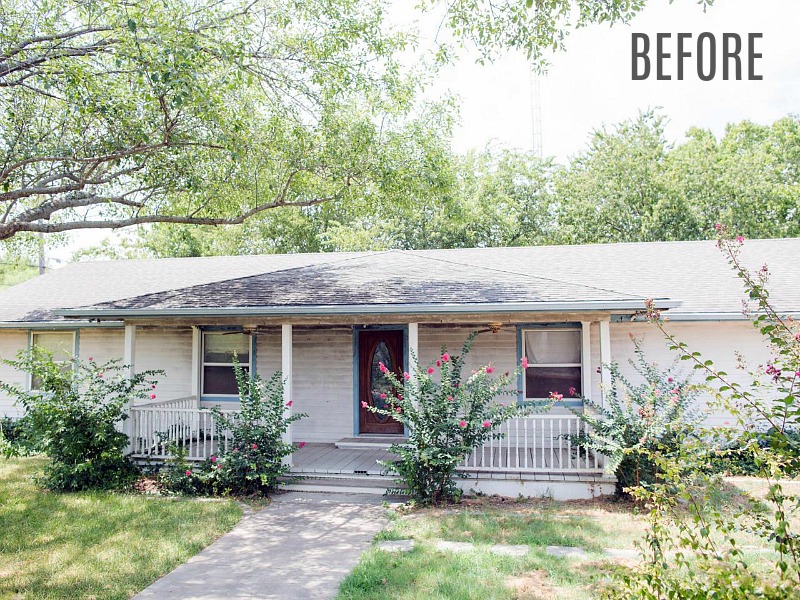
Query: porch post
x=586, y=360
x=129, y=361
x=413, y=348
x=605, y=360
x=286, y=370
x=196, y=333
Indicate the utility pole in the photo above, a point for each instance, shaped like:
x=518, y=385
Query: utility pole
x=536, y=111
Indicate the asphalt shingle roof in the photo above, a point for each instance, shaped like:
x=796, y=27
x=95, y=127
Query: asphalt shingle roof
x=695, y=273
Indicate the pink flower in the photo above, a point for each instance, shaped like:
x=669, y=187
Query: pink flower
x=797, y=373
x=657, y=392
x=450, y=398
x=235, y=449
x=487, y=424
x=438, y=363
x=213, y=459
x=290, y=402
x=670, y=379
x=524, y=362
x=740, y=239
x=152, y=396
x=718, y=226
x=445, y=357
x=797, y=336
x=490, y=370
x=572, y=391
x=219, y=467
x=364, y=404
x=406, y=376
x=399, y=396
x=383, y=396
x=556, y=396
x=643, y=439
x=674, y=399
x=100, y=374
x=382, y=367
x=397, y=409
x=726, y=423
x=254, y=446
x=462, y=424
x=188, y=473
x=430, y=370
x=90, y=359
x=301, y=444
x=502, y=403
x=152, y=386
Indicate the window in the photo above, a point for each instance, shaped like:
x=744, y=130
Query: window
x=554, y=362
x=219, y=348
x=61, y=344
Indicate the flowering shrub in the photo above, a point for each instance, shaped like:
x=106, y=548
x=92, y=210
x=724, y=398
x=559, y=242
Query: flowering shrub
x=74, y=418
x=253, y=462
x=446, y=417
x=691, y=549
x=638, y=422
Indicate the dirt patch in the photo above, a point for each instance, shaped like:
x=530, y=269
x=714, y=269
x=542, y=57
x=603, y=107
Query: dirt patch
x=534, y=585
x=146, y=485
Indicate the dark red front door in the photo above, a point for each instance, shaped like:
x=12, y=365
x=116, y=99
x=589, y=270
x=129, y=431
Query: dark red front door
x=375, y=347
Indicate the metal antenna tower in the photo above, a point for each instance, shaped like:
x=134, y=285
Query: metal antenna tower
x=536, y=111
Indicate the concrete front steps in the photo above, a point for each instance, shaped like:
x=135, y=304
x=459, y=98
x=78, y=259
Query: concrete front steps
x=345, y=483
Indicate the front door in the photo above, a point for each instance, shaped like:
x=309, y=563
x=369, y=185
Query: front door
x=375, y=347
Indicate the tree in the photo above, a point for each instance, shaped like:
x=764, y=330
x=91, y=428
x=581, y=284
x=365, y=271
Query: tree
x=531, y=26
x=190, y=111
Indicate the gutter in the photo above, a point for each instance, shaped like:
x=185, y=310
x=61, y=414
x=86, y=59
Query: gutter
x=699, y=316
x=52, y=325
x=369, y=309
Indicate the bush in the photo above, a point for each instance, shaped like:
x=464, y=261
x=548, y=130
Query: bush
x=691, y=549
x=446, y=416
x=253, y=463
x=15, y=439
x=75, y=418
x=638, y=422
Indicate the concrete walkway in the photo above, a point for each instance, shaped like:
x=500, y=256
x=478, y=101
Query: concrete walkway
x=300, y=546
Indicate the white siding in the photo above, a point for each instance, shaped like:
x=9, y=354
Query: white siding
x=101, y=344
x=268, y=353
x=323, y=384
x=716, y=340
x=499, y=349
x=11, y=342
x=168, y=349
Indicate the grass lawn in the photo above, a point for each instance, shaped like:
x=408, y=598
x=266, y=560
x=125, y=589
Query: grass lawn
x=429, y=573
x=95, y=544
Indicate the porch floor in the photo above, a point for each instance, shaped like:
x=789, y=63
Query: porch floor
x=327, y=458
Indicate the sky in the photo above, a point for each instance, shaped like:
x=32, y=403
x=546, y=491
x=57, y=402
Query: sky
x=590, y=86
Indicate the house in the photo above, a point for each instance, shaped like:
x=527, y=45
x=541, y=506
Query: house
x=325, y=320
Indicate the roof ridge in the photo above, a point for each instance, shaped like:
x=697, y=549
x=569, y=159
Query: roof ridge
x=528, y=275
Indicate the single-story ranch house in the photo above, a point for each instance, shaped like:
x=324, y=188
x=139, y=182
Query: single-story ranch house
x=326, y=320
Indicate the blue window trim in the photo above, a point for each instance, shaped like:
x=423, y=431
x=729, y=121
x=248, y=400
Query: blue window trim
x=252, y=365
x=521, y=384
x=356, y=330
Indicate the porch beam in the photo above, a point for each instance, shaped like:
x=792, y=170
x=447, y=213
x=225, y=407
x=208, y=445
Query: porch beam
x=129, y=363
x=129, y=351
x=586, y=360
x=196, y=360
x=286, y=370
x=605, y=360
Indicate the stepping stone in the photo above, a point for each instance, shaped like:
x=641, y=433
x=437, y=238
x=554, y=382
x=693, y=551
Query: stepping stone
x=455, y=546
x=621, y=553
x=396, y=546
x=509, y=550
x=566, y=551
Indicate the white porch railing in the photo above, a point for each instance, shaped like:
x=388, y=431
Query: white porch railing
x=154, y=428
x=536, y=444
x=185, y=402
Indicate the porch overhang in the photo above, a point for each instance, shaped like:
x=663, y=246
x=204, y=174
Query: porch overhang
x=632, y=306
